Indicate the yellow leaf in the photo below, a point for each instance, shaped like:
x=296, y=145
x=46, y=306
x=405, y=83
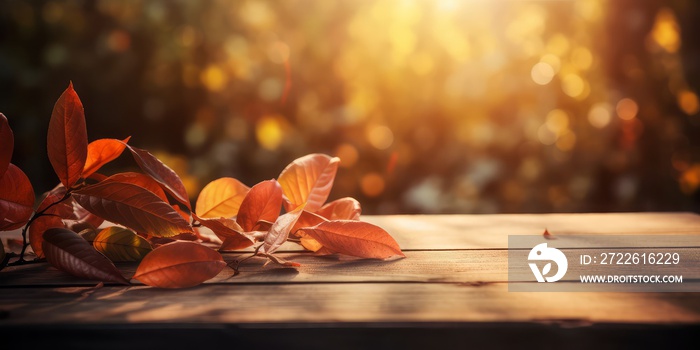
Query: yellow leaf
x=121, y=244
x=221, y=198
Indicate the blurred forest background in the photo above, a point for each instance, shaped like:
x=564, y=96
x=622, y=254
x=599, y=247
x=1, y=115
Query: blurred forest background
x=433, y=106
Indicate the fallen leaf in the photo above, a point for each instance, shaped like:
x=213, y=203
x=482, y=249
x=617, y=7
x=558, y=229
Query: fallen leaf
x=281, y=261
x=16, y=199
x=133, y=207
x=36, y=232
x=307, y=219
x=221, y=198
x=262, y=203
x=101, y=152
x=121, y=244
x=229, y=231
x=548, y=235
x=179, y=265
x=347, y=208
x=310, y=244
x=160, y=172
x=279, y=232
x=355, y=238
x=7, y=144
x=67, y=251
x=67, y=138
x=308, y=180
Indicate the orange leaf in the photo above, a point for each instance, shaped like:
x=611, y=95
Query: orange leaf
x=262, y=203
x=141, y=180
x=132, y=206
x=16, y=199
x=69, y=252
x=347, y=208
x=308, y=180
x=221, y=198
x=160, y=172
x=101, y=152
x=355, y=238
x=227, y=230
x=67, y=139
x=179, y=265
x=281, y=261
x=36, y=232
x=279, y=232
x=306, y=220
x=7, y=144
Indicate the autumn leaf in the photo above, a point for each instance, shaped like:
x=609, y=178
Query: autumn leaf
x=229, y=231
x=160, y=172
x=67, y=138
x=101, y=152
x=262, y=203
x=179, y=265
x=355, y=238
x=307, y=219
x=347, y=208
x=7, y=143
x=51, y=203
x=281, y=261
x=16, y=199
x=221, y=198
x=82, y=218
x=121, y=244
x=67, y=251
x=133, y=207
x=36, y=232
x=141, y=180
x=279, y=232
x=308, y=180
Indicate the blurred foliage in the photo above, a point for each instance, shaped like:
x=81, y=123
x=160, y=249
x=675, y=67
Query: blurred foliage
x=432, y=106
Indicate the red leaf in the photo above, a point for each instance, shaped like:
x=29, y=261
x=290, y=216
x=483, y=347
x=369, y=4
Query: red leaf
x=63, y=209
x=7, y=144
x=16, y=199
x=179, y=265
x=160, y=172
x=36, y=232
x=82, y=218
x=221, y=198
x=279, y=232
x=347, y=208
x=262, y=203
x=228, y=231
x=69, y=252
x=141, y=180
x=307, y=219
x=132, y=206
x=101, y=152
x=67, y=139
x=355, y=238
x=308, y=180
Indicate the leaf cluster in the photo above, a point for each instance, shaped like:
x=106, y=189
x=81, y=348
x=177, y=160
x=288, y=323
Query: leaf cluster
x=91, y=220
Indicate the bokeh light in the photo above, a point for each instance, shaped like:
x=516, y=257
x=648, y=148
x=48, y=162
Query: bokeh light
x=445, y=106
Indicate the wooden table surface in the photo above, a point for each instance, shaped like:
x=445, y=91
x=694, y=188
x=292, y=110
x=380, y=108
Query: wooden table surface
x=450, y=290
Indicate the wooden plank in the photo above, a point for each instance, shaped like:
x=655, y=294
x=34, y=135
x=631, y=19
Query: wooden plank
x=338, y=303
x=491, y=231
x=462, y=266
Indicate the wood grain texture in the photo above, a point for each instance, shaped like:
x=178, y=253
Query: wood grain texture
x=338, y=303
x=455, y=271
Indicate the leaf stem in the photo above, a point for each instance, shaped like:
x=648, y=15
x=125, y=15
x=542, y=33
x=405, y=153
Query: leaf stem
x=35, y=216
